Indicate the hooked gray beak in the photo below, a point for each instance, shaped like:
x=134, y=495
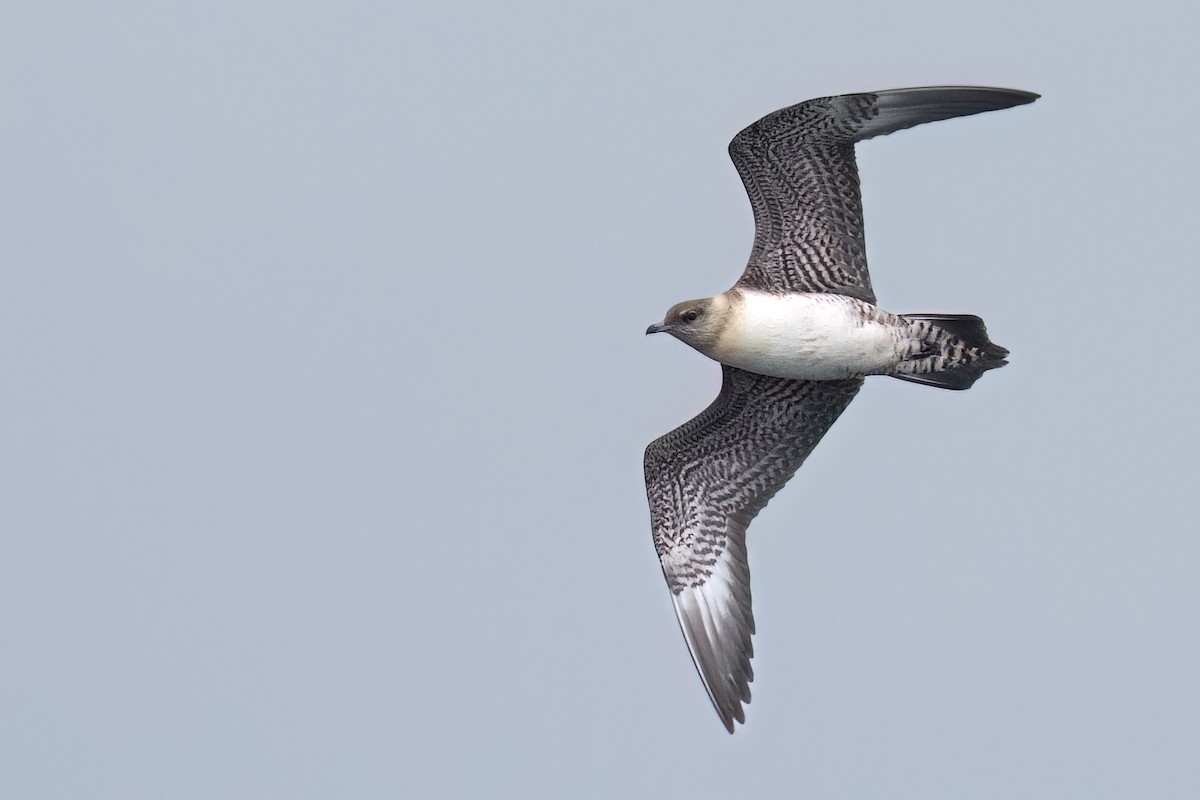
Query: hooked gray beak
x=654, y=329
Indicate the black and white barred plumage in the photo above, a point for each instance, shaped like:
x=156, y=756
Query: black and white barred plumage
x=795, y=336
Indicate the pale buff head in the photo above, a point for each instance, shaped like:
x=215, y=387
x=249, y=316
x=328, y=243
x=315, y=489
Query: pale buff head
x=696, y=322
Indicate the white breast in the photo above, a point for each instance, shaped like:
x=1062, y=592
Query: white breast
x=807, y=336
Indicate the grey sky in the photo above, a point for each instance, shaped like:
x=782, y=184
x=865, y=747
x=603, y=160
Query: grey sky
x=325, y=393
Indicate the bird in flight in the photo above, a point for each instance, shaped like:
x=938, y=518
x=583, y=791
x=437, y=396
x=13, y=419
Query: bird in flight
x=795, y=337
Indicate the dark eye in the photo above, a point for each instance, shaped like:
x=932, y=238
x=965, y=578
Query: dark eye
x=689, y=315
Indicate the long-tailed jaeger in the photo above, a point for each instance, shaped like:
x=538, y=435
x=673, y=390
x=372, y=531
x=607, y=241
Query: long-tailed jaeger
x=795, y=336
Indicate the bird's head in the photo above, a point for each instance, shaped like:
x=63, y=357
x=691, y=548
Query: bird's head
x=695, y=322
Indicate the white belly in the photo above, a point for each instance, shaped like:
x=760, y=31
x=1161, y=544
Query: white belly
x=808, y=336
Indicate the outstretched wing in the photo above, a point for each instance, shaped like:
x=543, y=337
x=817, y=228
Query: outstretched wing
x=798, y=168
x=706, y=481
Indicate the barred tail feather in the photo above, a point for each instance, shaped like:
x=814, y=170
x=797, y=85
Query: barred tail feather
x=960, y=351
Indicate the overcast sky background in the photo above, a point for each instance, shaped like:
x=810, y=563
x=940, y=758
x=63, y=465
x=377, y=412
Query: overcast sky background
x=325, y=392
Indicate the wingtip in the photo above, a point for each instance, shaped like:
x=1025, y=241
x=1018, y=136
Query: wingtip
x=897, y=109
x=718, y=644
x=991, y=98
x=1020, y=96
x=730, y=716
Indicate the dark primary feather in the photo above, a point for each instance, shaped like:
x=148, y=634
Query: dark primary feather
x=799, y=171
x=706, y=481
